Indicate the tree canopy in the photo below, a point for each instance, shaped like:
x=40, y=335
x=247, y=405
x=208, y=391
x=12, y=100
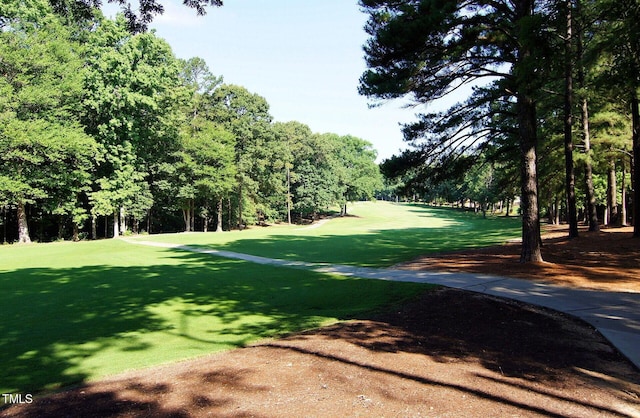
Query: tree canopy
x=105, y=132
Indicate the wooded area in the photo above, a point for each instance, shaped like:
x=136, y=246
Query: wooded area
x=104, y=132
x=553, y=114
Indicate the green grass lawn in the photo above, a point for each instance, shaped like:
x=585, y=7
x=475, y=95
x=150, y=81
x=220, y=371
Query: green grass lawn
x=72, y=312
x=376, y=234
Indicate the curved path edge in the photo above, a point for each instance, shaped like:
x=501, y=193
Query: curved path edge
x=616, y=315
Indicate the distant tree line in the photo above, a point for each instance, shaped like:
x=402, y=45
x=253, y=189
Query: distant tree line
x=552, y=116
x=104, y=131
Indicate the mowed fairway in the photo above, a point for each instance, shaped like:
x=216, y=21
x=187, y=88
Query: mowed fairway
x=78, y=311
x=376, y=234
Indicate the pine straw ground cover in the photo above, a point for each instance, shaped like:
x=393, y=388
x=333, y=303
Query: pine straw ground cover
x=447, y=353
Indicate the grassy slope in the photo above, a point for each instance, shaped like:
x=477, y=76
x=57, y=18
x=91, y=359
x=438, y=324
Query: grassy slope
x=77, y=311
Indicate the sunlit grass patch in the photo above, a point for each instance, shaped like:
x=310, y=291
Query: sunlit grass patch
x=375, y=234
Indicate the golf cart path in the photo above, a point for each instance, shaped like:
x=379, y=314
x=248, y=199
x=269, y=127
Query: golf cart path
x=616, y=315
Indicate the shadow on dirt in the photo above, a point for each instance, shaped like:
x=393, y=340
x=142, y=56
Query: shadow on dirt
x=521, y=348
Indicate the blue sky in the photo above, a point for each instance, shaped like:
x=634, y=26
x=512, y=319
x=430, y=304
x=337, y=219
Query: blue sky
x=305, y=57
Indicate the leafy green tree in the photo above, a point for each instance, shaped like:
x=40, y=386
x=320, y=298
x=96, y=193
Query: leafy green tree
x=196, y=74
x=46, y=157
x=133, y=106
x=138, y=18
x=246, y=116
x=358, y=172
x=205, y=171
x=316, y=184
x=204, y=167
x=290, y=134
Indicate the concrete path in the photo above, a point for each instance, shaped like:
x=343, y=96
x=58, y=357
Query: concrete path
x=615, y=314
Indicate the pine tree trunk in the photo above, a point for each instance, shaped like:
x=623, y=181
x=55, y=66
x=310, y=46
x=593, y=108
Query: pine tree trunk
x=635, y=117
x=23, y=224
x=592, y=211
x=523, y=77
x=612, y=194
x=623, y=189
x=570, y=180
x=531, y=248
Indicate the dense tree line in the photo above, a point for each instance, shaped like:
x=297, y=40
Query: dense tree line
x=103, y=131
x=552, y=119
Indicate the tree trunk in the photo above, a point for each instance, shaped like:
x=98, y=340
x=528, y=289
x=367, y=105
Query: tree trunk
x=635, y=117
x=60, y=227
x=4, y=224
x=193, y=215
x=76, y=232
x=116, y=223
x=240, y=206
x=531, y=248
x=186, y=216
x=623, y=206
x=94, y=227
x=219, y=215
x=123, y=221
x=612, y=194
x=288, y=195
x=570, y=180
x=23, y=224
x=592, y=212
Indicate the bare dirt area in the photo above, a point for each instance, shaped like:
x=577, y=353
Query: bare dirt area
x=448, y=353
x=605, y=260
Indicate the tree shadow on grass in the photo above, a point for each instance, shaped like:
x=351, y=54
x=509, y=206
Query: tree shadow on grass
x=449, y=230
x=378, y=248
x=64, y=326
x=530, y=360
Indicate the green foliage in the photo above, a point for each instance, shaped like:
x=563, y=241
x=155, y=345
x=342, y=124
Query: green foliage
x=46, y=156
x=360, y=175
